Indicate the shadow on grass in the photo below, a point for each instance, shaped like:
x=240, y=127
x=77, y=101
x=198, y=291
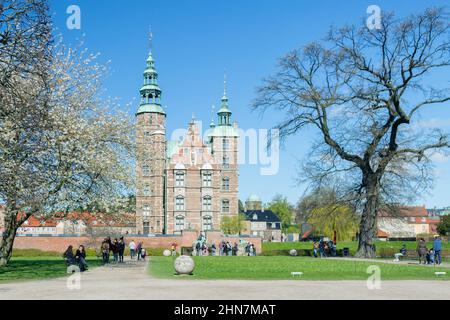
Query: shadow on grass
x=37, y=268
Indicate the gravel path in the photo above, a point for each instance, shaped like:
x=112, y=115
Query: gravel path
x=131, y=281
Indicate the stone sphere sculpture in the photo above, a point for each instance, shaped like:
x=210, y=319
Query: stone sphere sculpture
x=293, y=252
x=167, y=253
x=184, y=265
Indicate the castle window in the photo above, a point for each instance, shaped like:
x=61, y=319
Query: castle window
x=179, y=223
x=207, y=203
x=146, y=228
x=146, y=211
x=179, y=203
x=146, y=170
x=146, y=191
x=150, y=119
x=225, y=206
x=207, y=178
x=225, y=184
x=207, y=223
x=179, y=178
x=225, y=144
x=226, y=162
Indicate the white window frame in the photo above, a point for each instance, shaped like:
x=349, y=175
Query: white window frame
x=146, y=190
x=207, y=203
x=207, y=223
x=179, y=223
x=225, y=208
x=179, y=178
x=179, y=203
x=146, y=210
x=207, y=178
x=146, y=170
x=225, y=184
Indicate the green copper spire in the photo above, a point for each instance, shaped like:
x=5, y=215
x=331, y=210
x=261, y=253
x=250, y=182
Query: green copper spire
x=212, y=124
x=150, y=91
x=224, y=112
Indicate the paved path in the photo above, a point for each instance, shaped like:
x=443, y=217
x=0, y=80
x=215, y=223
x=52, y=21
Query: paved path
x=130, y=281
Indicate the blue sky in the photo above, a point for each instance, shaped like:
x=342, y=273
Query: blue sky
x=195, y=41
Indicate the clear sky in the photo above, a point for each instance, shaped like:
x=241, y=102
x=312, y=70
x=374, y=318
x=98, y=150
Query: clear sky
x=195, y=41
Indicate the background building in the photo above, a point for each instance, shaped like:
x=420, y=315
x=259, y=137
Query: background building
x=186, y=184
x=260, y=222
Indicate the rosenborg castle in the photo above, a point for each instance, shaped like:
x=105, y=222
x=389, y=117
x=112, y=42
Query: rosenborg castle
x=187, y=184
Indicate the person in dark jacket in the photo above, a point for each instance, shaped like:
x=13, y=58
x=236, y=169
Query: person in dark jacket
x=68, y=256
x=422, y=250
x=138, y=250
x=80, y=258
x=105, y=251
x=121, y=249
x=437, y=247
x=235, y=249
x=115, y=250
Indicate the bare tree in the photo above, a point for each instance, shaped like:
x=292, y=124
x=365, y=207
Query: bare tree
x=61, y=145
x=364, y=91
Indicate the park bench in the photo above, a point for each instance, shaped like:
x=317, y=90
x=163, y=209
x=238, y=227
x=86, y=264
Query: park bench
x=296, y=274
x=440, y=273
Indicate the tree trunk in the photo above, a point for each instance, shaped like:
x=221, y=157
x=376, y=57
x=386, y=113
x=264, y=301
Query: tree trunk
x=9, y=234
x=367, y=228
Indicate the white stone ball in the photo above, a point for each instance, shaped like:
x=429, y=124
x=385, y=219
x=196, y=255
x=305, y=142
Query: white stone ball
x=184, y=265
x=293, y=252
x=167, y=253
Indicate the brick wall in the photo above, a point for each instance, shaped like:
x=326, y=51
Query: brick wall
x=59, y=244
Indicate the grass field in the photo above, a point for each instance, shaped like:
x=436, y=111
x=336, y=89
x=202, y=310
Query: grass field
x=280, y=268
x=38, y=267
x=352, y=245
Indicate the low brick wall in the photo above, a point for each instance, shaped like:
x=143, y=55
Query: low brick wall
x=60, y=243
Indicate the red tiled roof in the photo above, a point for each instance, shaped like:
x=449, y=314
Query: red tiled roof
x=417, y=211
x=33, y=222
x=382, y=234
x=93, y=220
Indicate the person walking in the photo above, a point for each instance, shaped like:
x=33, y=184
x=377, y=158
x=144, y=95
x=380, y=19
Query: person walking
x=437, y=247
x=105, y=251
x=132, y=247
x=422, y=250
x=198, y=248
x=138, y=250
x=121, y=249
x=80, y=258
x=321, y=248
x=173, y=249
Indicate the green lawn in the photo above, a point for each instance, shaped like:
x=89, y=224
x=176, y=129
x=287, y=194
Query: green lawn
x=353, y=245
x=38, y=267
x=280, y=268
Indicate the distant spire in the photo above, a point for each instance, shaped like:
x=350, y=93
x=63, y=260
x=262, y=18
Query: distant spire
x=150, y=38
x=212, y=124
x=224, y=84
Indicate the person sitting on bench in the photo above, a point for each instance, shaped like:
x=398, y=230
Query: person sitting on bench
x=68, y=256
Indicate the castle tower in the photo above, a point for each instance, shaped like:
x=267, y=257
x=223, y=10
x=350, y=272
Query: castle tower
x=151, y=155
x=224, y=140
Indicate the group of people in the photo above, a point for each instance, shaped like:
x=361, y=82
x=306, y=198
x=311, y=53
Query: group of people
x=324, y=248
x=117, y=248
x=428, y=256
x=225, y=249
x=136, y=250
x=77, y=259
